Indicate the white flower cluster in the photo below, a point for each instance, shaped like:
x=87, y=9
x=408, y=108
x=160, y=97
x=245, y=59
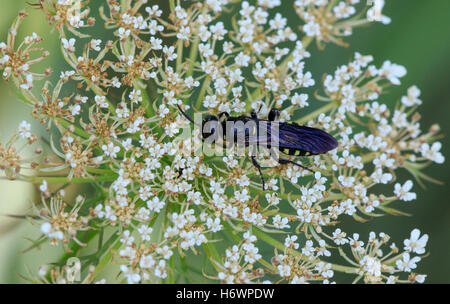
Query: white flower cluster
x=164, y=202
x=239, y=260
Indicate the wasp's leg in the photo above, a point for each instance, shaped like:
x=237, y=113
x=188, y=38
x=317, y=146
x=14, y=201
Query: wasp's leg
x=274, y=114
x=255, y=163
x=288, y=161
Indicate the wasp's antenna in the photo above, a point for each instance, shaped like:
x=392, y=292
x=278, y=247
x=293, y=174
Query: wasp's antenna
x=185, y=115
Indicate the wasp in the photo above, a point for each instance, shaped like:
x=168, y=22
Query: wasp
x=289, y=138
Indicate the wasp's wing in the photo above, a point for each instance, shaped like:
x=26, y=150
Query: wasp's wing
x=291, y=136
x=308, y=139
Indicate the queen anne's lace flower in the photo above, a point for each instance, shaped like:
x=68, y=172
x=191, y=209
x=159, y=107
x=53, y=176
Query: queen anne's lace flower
x=159, y=202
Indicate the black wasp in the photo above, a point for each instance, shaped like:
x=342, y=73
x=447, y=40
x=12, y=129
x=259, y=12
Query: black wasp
x=289, y=138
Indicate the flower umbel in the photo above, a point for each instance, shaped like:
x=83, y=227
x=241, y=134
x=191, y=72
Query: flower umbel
x=156, y=204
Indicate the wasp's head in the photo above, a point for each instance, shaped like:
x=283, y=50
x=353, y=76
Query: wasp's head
x=211, y=125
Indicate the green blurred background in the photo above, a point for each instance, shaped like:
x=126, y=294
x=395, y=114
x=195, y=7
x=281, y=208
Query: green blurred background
x=418, y=38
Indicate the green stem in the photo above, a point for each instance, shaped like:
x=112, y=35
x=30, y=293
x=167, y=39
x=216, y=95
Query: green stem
x=107, y=254
x=99, y=171
x=206, y=82
x=65, y=179
x=149, y=111
x=77, y=130
x=368, y=157
x=211, y=251
x=193, y=56
x=179, y=55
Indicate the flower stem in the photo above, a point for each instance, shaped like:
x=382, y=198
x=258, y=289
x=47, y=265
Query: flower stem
x=65, y=179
